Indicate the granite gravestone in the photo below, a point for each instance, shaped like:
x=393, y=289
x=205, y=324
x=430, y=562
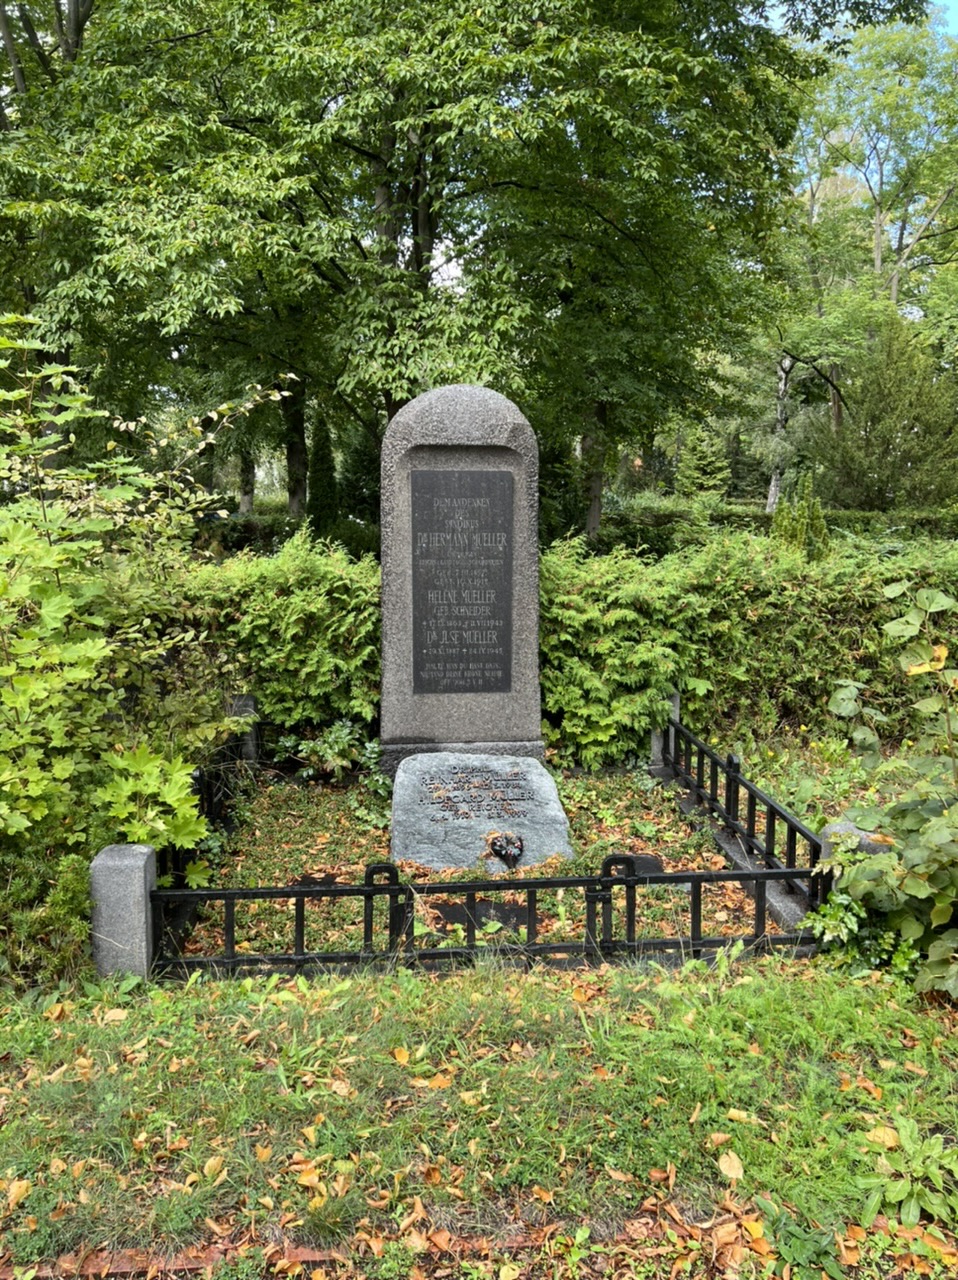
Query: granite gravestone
x=460, y=575
x=456, y=810
x=460, y=687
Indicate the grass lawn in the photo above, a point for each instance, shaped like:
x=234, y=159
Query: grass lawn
x=621, y=1121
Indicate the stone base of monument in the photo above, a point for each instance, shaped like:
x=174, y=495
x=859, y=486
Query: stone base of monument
x=393, y=753
x=491, y=812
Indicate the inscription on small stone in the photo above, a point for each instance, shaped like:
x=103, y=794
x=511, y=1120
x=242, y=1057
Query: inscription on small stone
x=473, y=792
x=448, y=809
x=462, y=530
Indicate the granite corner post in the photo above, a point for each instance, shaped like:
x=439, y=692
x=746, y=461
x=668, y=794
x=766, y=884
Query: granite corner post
x=122, y=876
x=460, y=578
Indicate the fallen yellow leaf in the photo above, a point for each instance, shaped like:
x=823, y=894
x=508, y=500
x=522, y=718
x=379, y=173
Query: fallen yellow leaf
x=400, y=1054
x=18, y=1191
x=731, y=1166
x=940, y=655
x=212, y=1166
x=883, y=1136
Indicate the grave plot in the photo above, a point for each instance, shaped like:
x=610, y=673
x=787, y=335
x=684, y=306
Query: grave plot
x=313, y=849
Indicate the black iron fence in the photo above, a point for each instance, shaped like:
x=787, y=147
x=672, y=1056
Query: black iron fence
x=767, y=831
x=384, y=920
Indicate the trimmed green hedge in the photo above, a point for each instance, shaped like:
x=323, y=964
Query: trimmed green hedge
x=660, y=525
x=303, y=629
x=749, y=631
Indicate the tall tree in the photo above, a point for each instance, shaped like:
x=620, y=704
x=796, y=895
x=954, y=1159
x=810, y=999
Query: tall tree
x=377, y=200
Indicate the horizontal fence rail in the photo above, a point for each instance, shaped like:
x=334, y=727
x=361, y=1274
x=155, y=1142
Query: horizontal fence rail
x=385, y=912
x=767, y=831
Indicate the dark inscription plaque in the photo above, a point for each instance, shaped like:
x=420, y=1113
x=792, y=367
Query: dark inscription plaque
x=462, y=581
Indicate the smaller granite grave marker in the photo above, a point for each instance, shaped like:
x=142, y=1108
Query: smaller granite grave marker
x=484, y=811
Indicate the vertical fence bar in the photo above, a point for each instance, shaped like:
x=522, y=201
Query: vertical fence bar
x=713, y=785
x=299, y=928
x=770, y=837
x=229, y=929
x=532, y=918
x=732, y=768
x=607, y=918
x=695, y=921
x=760, y=923
x=408, y=909
x=470, y=919
x=791, y=835
x=395, y=919
x=750, y=823
x=369, y=905
x=591, y=940
x=699, y=773
x=630, y=911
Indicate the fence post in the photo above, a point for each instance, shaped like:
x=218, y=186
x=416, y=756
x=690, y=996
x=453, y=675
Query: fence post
x=661, y=736
x=122, y=877
x=733, y=767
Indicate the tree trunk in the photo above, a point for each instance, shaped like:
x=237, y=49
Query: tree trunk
x=786, y=364
x=835, y=399
x=594, y=449
x=247, y=466
x=774, y=491
x=297, y=456
x=322, y=506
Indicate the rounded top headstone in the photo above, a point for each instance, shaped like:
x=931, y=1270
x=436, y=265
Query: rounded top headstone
x=460, y=414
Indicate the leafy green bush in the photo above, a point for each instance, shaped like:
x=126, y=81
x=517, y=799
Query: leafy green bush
x=304, y=628
x=657, y=523
x=762, y=635
x=264, y=532
x=104, y=686
x=749, y=630
x=604, y=682
x=801, y=523
x=895, y=908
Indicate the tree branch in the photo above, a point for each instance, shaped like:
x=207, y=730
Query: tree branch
x=936, y=209
x=811, y=362
x=188, y=35
x=19, y=80
x=35, y=44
